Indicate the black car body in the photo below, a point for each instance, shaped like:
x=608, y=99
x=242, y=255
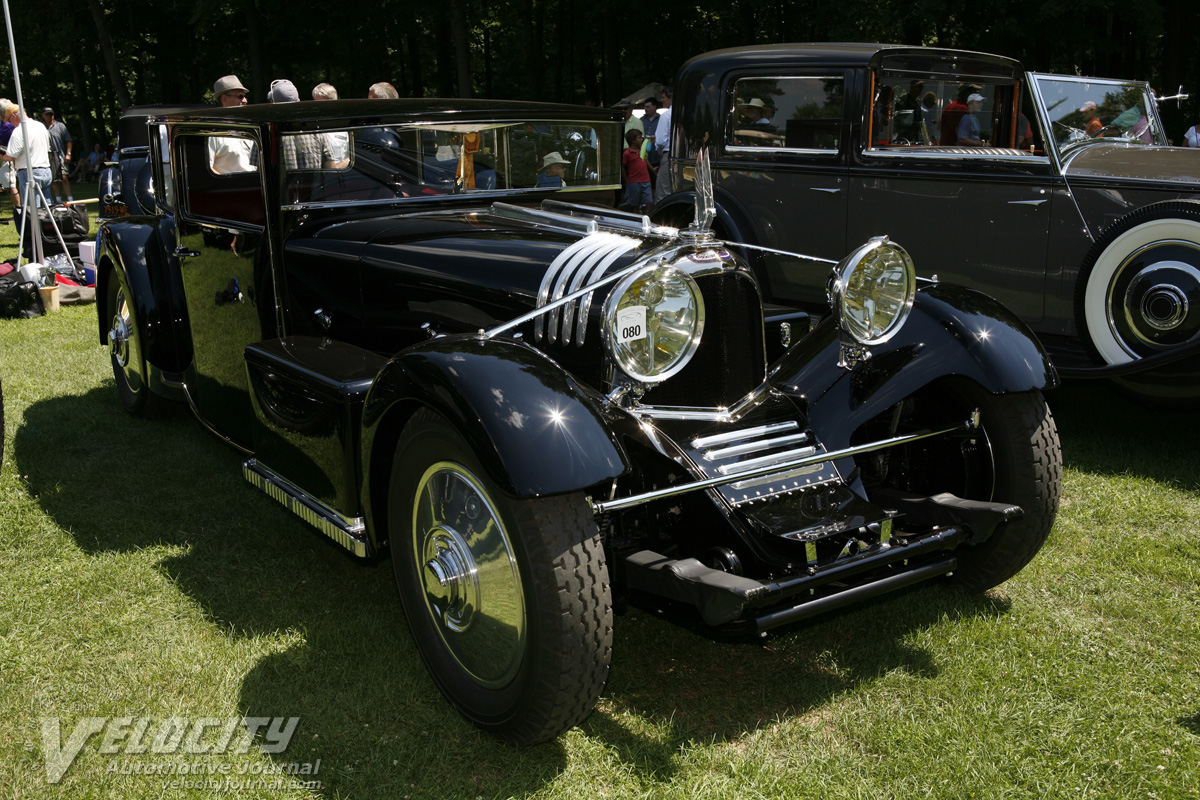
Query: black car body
x=1070, y=207
x=537, y=404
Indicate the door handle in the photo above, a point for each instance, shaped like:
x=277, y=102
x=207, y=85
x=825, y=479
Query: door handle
x=184, y=252
x=1027, y=202
x=826, y=190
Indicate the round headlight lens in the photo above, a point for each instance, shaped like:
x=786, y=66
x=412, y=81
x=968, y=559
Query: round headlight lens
x=652, y=323
x=872, y=291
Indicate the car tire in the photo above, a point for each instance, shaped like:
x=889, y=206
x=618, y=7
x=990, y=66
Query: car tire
x=1013, y=457
x=1139, y=290
x=1026, y=466
x=508, y=599
x=125, y=353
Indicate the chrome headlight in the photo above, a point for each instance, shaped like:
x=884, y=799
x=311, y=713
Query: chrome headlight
x=872, y=290
x=652, y=323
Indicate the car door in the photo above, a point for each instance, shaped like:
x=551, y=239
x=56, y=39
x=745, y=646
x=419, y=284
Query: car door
x=975, y=215
x=783, y=159
x=225, y=267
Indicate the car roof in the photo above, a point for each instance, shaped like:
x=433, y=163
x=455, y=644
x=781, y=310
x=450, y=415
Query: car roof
x=837, y=54
x=366, y=112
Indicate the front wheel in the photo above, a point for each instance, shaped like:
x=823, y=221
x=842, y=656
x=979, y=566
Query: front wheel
x=508, y=599
x=1139, y=291
x=1014, y=457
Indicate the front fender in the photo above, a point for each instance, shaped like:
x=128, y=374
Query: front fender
x=536, y=429
x=952, y=331
x=139, y=248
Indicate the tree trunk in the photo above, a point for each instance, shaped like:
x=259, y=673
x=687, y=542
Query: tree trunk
x=110, y=54
x=462, y=49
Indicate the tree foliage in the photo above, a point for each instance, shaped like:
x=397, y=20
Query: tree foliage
x=91, y=58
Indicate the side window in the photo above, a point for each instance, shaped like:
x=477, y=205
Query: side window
x=233, y=197
x=791, y=113
x=952, y=111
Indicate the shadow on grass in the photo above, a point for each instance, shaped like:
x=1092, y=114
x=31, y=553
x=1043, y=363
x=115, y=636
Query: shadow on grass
x=1105, y=432
x=368, y=709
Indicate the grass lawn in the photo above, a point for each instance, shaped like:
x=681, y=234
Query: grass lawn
x=141, y=577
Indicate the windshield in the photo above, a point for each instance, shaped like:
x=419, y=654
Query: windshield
x=1080, y=111
x=420, y=160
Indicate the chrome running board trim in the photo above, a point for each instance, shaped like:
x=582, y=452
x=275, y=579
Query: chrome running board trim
x=349, y=532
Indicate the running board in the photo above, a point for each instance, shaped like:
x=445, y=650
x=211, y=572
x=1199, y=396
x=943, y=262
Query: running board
x=350, y=533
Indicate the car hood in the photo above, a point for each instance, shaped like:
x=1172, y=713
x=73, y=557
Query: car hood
x=1103, y=161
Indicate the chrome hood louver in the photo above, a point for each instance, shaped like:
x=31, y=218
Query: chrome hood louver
x=580, y=265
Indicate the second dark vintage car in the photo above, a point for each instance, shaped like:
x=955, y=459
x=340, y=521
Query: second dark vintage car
x=539, y=406
x=1063, y=200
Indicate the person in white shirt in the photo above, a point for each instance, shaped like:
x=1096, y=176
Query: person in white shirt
x=29, y=149
x=1193, y=136
x=229, y=154
x=339, y=141
x=662, y=140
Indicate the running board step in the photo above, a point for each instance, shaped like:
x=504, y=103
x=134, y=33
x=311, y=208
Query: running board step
x=349, y=532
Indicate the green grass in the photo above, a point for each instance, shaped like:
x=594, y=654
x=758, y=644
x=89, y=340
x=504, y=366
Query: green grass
x=141, y=576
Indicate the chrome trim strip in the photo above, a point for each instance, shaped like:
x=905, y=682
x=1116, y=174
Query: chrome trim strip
x=785, y=476
x=700, y=442
x=349, y=532
x=754, y=447
x=776, y=470
x=800, y=256
x=774, y=458
x=491, y=333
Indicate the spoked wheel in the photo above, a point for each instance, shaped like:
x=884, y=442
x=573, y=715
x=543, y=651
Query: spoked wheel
x=125, y=352
x=1014, y=457
x=508, y=600
x=1139, y=291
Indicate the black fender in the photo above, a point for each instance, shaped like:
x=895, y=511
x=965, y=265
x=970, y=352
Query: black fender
x=536, y=430
x=140, y=249
x=952, y=332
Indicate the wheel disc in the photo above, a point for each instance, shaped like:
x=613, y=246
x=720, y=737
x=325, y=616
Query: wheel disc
x=469, y=576
x=123, y=344
x=1154, y=298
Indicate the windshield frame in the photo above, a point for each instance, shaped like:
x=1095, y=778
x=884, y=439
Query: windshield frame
x=1117, y=126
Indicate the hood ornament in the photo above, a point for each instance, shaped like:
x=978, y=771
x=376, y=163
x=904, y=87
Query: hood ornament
x=706, y=206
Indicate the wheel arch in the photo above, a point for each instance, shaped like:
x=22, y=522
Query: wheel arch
x=156, y=295
x=535, y=429
x=952, y=332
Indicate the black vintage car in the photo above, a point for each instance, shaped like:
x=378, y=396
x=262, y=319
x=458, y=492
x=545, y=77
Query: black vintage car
x=1063, y=201
x=539, y=406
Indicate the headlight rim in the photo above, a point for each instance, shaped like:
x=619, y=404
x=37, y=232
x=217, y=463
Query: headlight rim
x=612, y=305
x=841, y=278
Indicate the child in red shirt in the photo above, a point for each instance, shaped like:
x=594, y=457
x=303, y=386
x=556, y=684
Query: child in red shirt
x=636, y=173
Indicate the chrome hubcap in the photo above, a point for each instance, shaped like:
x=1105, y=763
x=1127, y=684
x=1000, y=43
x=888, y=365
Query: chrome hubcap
x=1164, y=307
x=118, y=340
x=469, y=576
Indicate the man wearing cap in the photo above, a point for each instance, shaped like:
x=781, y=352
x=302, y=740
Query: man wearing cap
x=1091, y=116
x=553, y=172
x=632, y=123
x=60, y=154
x=230, y=154
x=968, y=127
x=301, y=150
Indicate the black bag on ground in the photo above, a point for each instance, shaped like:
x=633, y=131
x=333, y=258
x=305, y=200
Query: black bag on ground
x=19, y=299
x=72, y=223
